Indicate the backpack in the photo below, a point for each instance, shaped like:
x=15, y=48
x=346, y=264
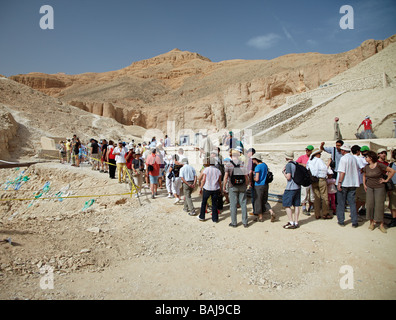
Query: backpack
x=301, y=175
x=270, y=177
x=239, y=178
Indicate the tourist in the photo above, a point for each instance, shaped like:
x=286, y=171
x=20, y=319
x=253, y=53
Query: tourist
x=77, y=152
x=337, y=131
x=74, y=154
x=382, y=154
x=206, y=146
x=331, y=192
x=181, y=155
x=347, y=183
x=335, y=153
x=167, y=141
x=120, y=151
x=174, y=175
x=210, y=187
x=237, y=178
x=153, y=171
x=368, y=130
x=68, y=150
x=292, y=194
x=373, y=180
x=94, y=151
x=161, y=154
x=103, y=157
x=188, y=177
x=261, y=188
x=110, y=157
x=62, y=152
x=169, y=161
x=392, y=194
x=360, y=192
x=137, y=173
x=307, y=194
x=319, y=170
x=250, y=169
x=129, y=157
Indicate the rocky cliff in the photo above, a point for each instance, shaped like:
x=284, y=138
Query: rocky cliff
x=195, y=92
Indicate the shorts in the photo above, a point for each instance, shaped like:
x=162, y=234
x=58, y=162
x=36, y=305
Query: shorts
x=291, y=198
x=153, y=179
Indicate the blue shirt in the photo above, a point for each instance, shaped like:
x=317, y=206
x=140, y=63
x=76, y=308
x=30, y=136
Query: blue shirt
x=262, y=169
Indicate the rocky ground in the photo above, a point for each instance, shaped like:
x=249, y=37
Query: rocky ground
x=122, y=247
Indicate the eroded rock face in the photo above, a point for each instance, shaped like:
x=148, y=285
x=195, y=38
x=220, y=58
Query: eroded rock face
x=194, y=92
x=8, y=129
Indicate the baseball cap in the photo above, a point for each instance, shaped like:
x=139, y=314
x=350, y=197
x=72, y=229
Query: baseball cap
x=310, y=148
x=364, y=148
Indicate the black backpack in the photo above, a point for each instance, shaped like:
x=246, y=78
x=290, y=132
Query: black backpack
x=237, y=178
x=301, y=175
x=270, y=177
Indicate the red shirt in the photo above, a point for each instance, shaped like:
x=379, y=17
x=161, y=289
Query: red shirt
x=155, y=161
x=367, y=124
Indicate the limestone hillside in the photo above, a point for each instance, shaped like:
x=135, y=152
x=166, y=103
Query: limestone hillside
x=193, y=91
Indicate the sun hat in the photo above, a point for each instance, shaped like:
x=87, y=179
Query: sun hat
x=346, y=147
x=315, y=152
x=289, y=155
x=257, y=156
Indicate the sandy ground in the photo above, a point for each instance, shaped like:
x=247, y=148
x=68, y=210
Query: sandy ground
x=121, y=249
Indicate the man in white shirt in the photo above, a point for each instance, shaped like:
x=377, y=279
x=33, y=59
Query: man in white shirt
x=347, y=183
x=120, y=151
x=360, y=192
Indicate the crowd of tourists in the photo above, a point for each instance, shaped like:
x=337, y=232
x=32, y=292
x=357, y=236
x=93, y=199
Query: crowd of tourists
x=354, y=177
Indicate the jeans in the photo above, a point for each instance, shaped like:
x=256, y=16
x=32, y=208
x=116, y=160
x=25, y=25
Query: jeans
x=346, y=194
x=215, y=198
x=238, y=193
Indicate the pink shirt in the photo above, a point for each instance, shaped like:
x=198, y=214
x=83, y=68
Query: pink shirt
x=303, y=159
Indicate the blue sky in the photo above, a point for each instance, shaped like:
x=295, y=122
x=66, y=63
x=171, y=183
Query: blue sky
x=99, y=36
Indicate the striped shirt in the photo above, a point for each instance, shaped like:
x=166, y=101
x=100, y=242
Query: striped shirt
x=212, y=178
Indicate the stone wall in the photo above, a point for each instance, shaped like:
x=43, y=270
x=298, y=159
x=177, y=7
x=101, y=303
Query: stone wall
x=280, y=117
x=291, y=122
x=374, y=81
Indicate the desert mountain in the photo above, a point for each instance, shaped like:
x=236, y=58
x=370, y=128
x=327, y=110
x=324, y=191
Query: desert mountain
x=195, y=92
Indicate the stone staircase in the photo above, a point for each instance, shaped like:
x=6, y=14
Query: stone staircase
x=299, y=107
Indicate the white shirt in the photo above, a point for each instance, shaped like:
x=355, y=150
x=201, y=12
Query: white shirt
x=361, y=164
x=120, y=158
x=349, y=165
x=317, y=167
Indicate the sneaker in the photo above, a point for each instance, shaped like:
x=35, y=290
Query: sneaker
x=152, y=196
x=371, y=226
x=382, y=228
x=192, y=213
x=170, y=195
x=289, y=226
x=200, y=219
x=232, y=225
x=176, y=201
x=354, y=225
